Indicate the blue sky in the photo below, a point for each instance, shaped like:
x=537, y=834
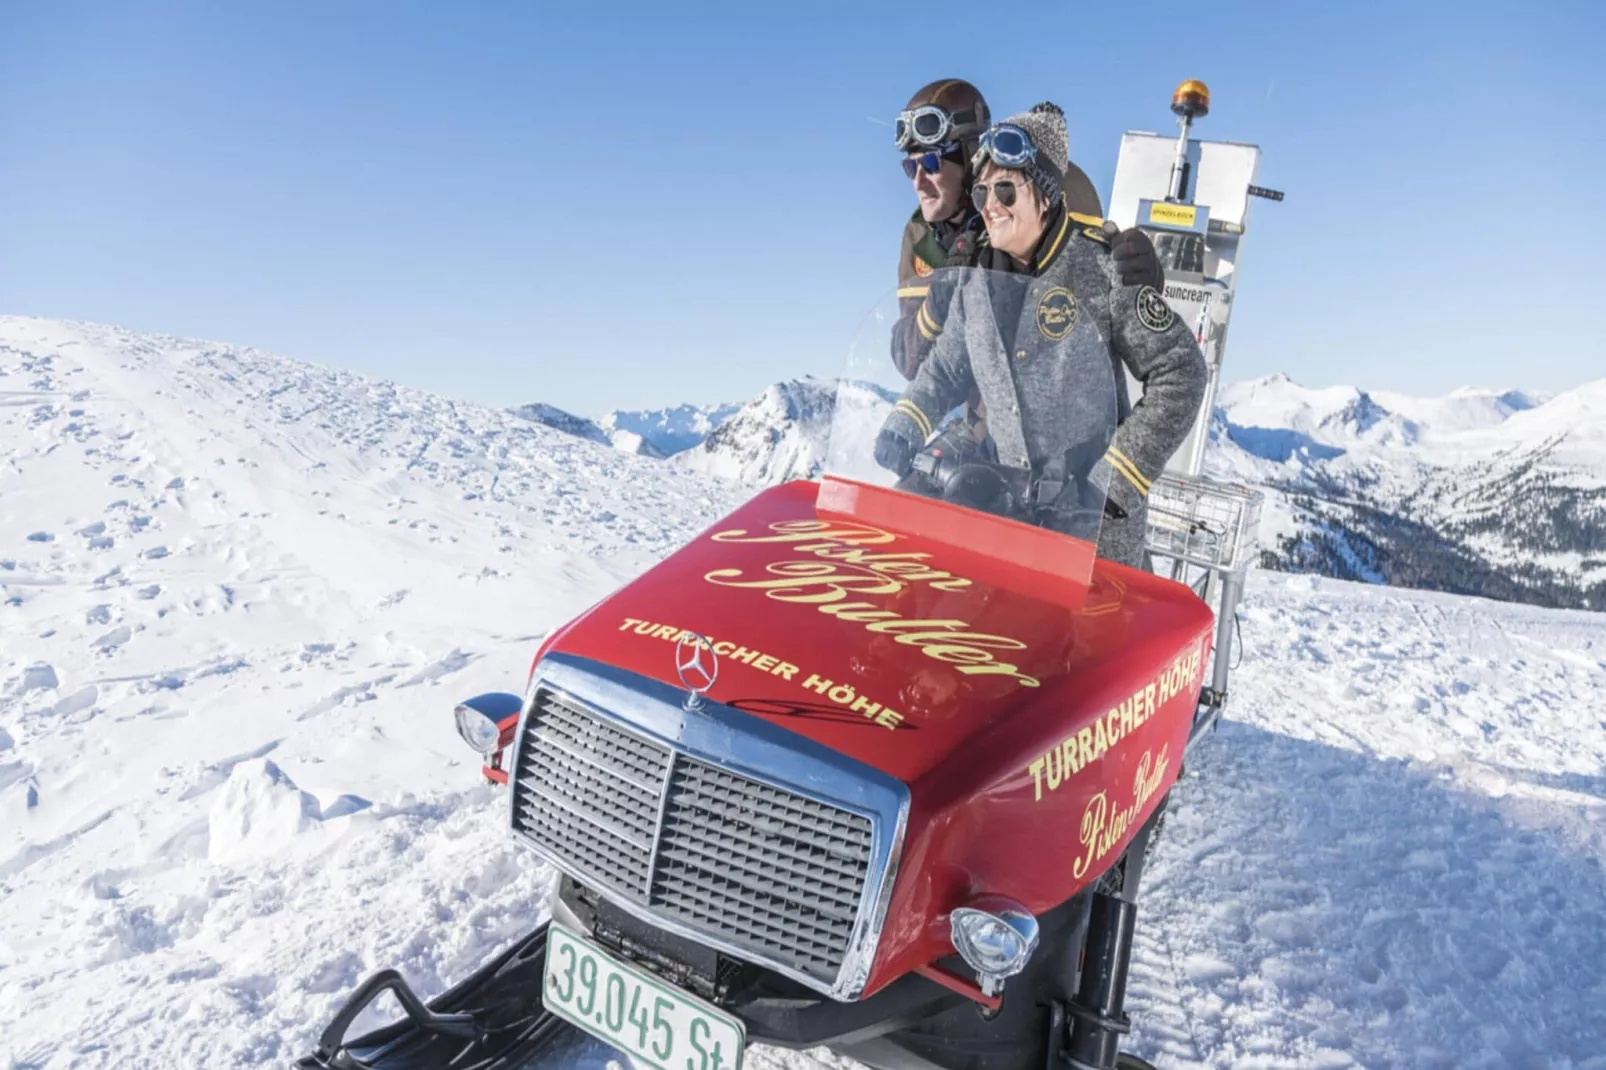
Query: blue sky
x=634, y=205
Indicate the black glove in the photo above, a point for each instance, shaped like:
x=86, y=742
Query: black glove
x=1135, y=259
x=966, y=249
x=894, y=452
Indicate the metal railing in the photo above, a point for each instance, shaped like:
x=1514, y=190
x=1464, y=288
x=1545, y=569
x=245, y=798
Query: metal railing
x=1206, y=534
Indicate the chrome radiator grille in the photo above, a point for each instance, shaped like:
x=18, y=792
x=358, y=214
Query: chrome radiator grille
x=774, y=874
x=761, y=867
x=589, y=793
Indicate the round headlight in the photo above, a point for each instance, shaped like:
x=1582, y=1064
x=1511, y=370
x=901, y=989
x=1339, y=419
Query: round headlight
x=995, y=937
x=478, y=730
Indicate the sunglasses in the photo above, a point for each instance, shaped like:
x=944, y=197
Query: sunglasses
x=1004, y=191
x=929, y=162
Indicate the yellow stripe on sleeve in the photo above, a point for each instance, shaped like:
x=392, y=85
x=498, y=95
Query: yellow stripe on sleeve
x=1123, y=464
x=913, y=291
x=911, y=410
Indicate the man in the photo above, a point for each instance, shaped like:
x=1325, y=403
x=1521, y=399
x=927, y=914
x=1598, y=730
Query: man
x=938, y=132
x=1010, y=343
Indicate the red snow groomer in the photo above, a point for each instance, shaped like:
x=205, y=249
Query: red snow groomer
x=864, y=766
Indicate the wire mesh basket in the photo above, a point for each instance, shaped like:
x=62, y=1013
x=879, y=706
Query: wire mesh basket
x=1203, y=522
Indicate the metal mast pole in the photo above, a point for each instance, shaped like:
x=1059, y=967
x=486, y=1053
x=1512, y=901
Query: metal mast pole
x=1179, y=166
x=1192, y=101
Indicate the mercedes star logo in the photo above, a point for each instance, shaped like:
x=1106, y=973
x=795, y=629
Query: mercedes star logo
x=697, y=665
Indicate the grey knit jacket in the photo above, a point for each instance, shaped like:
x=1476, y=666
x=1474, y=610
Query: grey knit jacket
x=1050, y=371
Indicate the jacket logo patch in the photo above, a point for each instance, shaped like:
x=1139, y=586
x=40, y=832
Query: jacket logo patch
x=1153, y=312
x=922, y=268
x=1057, y=313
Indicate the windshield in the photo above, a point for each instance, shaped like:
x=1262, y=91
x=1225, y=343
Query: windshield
x=992, y=394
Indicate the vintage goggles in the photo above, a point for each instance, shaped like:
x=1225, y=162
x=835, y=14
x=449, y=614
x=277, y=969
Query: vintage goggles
x=929, y=162
x=1008, y=145
x=928, y=125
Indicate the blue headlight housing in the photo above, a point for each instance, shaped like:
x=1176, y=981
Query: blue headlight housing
x=479, y=719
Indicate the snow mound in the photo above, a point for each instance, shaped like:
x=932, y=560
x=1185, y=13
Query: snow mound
x=36, y=677
x=259, y=814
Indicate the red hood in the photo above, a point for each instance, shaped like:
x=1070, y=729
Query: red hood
x=893, y=648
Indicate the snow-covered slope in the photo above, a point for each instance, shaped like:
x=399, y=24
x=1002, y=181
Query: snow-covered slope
x=239, y=596
x=666, y=431
x=1571, y=427
x=1401, y=823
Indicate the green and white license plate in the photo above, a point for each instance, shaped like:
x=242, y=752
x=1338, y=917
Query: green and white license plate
x=634, y=1011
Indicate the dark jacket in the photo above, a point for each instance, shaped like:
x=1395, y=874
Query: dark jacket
x=928, y=247
x=1047, y=351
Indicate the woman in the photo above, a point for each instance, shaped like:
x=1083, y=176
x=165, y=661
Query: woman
x=1023, y=332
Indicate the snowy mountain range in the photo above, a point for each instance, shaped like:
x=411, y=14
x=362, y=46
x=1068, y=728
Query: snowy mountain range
x=1498, y=493
x=657, y=433
x=240, y=595
x=666, y=431
x=1493, y=492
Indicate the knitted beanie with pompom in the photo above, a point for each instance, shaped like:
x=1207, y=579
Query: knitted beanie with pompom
x=1045, y=125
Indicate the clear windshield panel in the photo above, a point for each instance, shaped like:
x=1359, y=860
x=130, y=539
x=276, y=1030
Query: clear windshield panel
x=1009, y=411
